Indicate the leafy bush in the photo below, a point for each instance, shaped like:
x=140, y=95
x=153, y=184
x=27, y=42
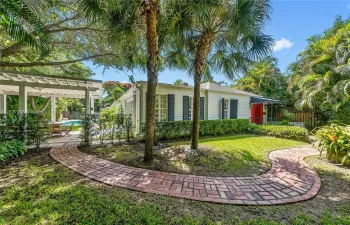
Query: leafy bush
x=183, y=129
x=335, y=140
x=37, y=129
x=290, y=132
x=88, y=131
x=13, y=148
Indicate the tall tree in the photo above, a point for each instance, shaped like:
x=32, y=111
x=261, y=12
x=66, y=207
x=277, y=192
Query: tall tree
x=320, y=76
x=265, y=78
x=220, y=35
x=137, y=22
x=113, y=90
x=54, y=27
x=20, y=20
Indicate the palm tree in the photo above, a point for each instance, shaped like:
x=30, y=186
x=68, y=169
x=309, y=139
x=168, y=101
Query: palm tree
x=178, y=82
x=136, y=24
x=220, y=35
x=320, y=77
x=264, y=78
x=20, y=19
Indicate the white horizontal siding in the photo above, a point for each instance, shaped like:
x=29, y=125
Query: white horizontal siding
x=214, y=104
x=179, y=92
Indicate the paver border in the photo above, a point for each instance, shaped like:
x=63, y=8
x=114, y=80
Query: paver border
x=289, y=180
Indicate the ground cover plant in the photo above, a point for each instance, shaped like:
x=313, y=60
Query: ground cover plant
x=37, y=190
x=240, y=155
x=13, y=148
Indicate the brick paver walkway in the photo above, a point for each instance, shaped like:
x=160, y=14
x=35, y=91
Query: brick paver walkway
x=289, y=180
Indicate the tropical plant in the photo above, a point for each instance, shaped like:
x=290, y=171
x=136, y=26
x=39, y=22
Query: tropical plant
x=137, y=22
x=113, y=91
x=321, y=76
x=88, y=131
x=37, y=129
x=119, y=122
x=265, y=78
x=128, y=126
x=12, y=148
x=335, y=140
x=21, y=21
x=221, y=35
x=31, y=28
x=178, y=82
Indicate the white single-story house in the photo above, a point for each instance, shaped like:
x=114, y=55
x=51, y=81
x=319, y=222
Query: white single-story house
x=174, y=103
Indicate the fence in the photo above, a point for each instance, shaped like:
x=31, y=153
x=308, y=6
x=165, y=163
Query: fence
x=308, y=120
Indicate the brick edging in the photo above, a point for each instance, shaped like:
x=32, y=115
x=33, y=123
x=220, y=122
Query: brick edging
x=289, y=180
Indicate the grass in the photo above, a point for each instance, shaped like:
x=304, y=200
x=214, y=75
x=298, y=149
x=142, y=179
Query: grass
x=241, y=155
x=34, y=189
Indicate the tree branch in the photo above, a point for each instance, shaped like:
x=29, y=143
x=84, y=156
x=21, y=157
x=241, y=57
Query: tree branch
x=32, y=64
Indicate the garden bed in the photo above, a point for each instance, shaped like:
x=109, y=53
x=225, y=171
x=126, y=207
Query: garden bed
x=241, y=155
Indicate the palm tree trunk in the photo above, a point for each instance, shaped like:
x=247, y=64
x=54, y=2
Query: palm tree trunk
x=203, y=49
x=151, y=10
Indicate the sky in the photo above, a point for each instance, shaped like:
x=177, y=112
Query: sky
x=292, y=23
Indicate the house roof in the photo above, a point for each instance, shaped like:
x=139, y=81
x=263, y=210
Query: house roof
x=212, y=87
x=217, y=87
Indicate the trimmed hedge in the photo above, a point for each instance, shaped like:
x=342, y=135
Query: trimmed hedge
x=183, y=129
x=289, y=132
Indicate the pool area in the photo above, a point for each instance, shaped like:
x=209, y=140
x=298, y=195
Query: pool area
x=75, y=123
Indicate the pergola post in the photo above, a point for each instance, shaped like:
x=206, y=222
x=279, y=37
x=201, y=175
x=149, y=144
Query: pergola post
x=3, y=103
x=23, y=99
x=53, y=109
x=87, y=102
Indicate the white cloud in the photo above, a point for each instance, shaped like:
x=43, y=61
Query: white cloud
x=282, y=44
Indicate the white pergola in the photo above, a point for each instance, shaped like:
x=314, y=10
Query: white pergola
x=28, y=84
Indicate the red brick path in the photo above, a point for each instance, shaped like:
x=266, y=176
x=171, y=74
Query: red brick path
x=289, y=180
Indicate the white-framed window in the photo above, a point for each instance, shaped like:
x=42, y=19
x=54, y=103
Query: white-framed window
x=161, y=108
x=129, y=106
x=226, y=108
x=190, y=108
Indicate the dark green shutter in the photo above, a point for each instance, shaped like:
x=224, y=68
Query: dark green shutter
x=186, y=110
x=202, y=109
x=171, y=107
x=222, y=108
x=233, y=108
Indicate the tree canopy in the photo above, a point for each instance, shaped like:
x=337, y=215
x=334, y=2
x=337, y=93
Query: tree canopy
x=320, y=78
x=266, y=79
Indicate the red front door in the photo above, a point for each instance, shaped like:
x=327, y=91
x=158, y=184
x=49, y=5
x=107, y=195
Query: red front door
x=257, y=115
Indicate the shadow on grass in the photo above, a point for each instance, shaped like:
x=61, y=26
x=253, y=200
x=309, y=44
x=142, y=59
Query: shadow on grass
x=37, y=190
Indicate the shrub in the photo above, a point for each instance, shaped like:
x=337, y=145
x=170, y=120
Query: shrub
x=13, y=148
x=88, y=131
x=335, y=140
x=290, y=132
x=37, y=129
x=183, y=129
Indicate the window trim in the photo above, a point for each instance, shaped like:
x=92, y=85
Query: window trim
x=160, y=109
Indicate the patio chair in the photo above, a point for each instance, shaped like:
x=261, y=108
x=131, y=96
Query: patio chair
x=66, y=131
x=55, y=129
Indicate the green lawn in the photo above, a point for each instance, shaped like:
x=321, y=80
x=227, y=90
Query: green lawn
x=241, y=155
x=34, y=189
